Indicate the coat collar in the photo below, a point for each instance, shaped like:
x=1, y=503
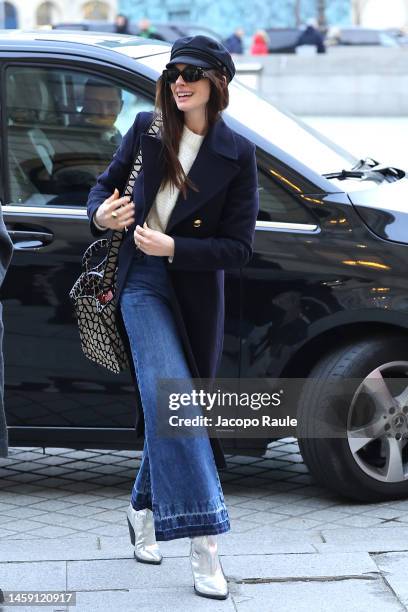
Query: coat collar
x=220, y=139
x=214, y=166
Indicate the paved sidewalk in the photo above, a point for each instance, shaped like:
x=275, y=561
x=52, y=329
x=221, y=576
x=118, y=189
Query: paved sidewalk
x=292, y=546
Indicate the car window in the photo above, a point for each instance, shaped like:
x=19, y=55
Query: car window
x=63, y=127
x=277, y=204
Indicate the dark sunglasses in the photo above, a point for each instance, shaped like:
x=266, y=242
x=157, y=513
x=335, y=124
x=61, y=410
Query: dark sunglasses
x=190, y=74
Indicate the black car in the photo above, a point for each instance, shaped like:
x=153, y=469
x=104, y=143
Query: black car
x=283, y=40
x=361, y=36
x=161, y=31
x=324, y=298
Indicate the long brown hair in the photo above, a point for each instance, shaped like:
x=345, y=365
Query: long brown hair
x=173, y=124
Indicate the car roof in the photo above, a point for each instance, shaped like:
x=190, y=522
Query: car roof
x=141, y=47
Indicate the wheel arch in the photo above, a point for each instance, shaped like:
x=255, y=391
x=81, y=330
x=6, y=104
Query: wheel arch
x=302, y=361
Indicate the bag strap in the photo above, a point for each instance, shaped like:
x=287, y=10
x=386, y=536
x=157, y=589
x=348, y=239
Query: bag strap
x=91, y=251
x=117, y=235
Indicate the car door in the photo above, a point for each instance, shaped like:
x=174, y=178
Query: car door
x=275, y=281
x=61, y=126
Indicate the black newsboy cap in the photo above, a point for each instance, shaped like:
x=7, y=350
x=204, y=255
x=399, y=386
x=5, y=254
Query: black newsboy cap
x=202, y=51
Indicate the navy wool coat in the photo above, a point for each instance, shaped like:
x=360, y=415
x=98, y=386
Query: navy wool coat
x=227, y=206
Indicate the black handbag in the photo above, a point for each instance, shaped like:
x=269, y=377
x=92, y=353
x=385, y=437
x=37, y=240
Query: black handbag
x=93, y=294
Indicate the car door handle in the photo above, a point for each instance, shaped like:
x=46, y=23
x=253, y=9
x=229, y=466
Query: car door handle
x=24, y=240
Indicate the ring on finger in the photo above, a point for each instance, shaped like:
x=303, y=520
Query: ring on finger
x=114, y=214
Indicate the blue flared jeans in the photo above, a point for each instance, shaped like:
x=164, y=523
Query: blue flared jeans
x=178, y=478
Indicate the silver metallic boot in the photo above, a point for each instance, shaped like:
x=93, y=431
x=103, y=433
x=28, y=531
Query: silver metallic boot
x=142, y=535
x=209, y=579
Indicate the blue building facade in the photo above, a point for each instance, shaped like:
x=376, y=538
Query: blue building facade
x=225, y=16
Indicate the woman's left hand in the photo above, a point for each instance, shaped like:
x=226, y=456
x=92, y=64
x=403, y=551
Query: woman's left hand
x=153, y=242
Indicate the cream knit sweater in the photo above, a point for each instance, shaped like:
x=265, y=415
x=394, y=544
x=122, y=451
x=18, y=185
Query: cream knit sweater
x=165, y=200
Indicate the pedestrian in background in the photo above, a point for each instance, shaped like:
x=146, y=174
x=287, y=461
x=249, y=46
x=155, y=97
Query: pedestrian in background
x=6, y=251
x=147, y=30
x=170, y=287
x=121, y=24
x=260, y=43
x=234, y=43
x=312, y=36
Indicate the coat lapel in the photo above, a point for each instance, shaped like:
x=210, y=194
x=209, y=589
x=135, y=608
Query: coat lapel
x=213, y=167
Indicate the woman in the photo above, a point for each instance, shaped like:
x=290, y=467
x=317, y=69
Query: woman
x=192, y=216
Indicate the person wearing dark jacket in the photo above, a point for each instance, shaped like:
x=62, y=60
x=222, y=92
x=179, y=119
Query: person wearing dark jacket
x=191, y=216
x=6, y=252
x=234, y=42
x=312, y=36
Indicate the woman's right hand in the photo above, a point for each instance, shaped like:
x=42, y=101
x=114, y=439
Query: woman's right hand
x=123, y=212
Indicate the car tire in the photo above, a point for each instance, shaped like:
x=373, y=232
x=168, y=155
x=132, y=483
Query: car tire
x=365, y=475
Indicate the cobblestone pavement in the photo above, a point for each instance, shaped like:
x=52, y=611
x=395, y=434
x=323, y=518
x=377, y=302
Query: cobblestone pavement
x=292, y=545
x=63, y=493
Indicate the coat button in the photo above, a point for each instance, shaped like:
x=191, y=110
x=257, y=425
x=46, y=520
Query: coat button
x=197, y=222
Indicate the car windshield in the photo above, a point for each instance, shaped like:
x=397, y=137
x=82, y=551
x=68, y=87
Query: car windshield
x=286, y=131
